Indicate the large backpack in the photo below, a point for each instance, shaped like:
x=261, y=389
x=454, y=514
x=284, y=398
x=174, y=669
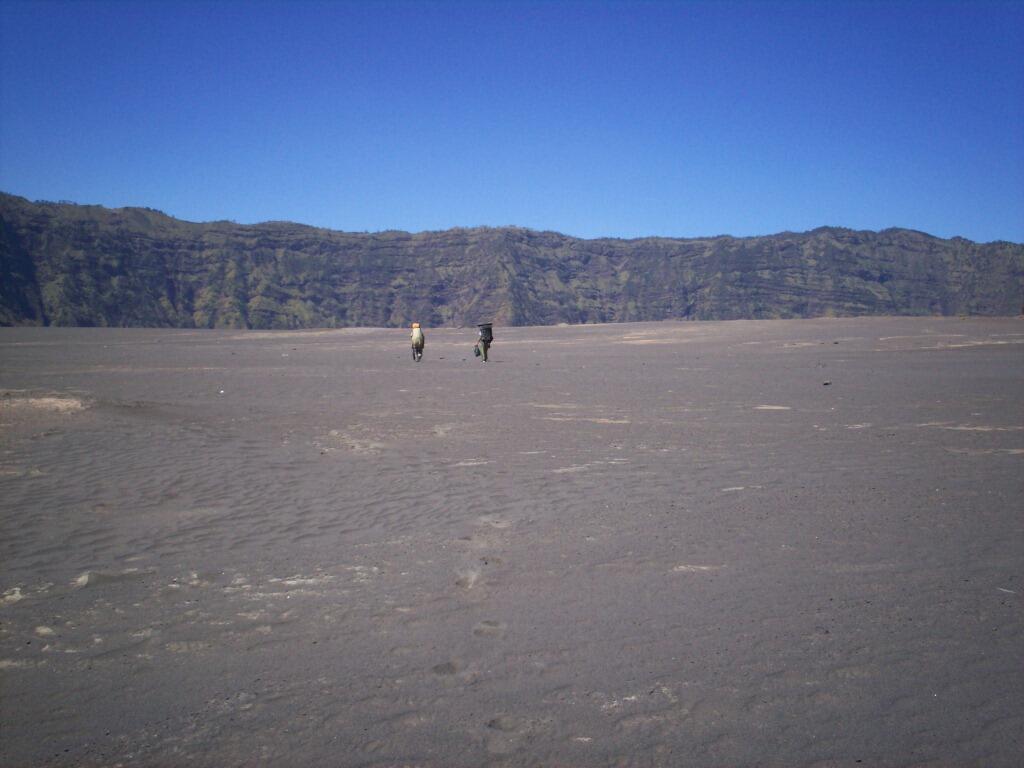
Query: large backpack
x=486, y=334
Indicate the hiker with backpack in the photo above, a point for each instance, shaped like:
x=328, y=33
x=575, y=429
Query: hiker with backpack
x=419, y=341
x=485, y=337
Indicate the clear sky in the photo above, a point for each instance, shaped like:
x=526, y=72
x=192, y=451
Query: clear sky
x=588, y=118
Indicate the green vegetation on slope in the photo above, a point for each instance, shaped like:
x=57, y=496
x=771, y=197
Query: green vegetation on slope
x=65, y=264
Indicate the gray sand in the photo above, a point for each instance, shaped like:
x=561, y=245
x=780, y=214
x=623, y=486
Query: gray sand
x=704, y=544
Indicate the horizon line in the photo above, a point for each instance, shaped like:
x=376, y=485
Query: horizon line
x=504, y=226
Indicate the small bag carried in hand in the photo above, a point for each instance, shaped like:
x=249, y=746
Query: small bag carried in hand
x=476, y=351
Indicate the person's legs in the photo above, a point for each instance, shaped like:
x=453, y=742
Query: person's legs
x=486, y=347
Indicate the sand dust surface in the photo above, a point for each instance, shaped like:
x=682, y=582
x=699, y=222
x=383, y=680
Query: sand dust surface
x=791, y=543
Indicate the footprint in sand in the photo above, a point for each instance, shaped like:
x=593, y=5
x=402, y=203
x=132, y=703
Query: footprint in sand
x=507, y=724
x=489, y=628
x=94, y=578
x=455, y=672
x=447, y=669
x=507, y=734
x=467, y=578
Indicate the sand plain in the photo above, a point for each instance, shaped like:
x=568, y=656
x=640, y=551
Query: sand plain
x=792, y=543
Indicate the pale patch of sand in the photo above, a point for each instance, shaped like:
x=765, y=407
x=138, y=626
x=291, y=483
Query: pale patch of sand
x=923, y=336
x=654, y=341
x=969, y=427
x=52, y=403
x=688, y=568
x=16, y=664
x=590, y=419
x=987, y=451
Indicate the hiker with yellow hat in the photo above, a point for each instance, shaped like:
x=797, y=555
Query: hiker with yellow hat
x=419, y=341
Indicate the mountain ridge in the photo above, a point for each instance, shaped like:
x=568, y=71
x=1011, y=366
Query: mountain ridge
x=69, y=264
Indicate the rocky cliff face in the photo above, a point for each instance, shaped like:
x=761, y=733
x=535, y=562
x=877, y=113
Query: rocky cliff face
x=65, y=264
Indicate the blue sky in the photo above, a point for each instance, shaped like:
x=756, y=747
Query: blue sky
x=588, y=118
